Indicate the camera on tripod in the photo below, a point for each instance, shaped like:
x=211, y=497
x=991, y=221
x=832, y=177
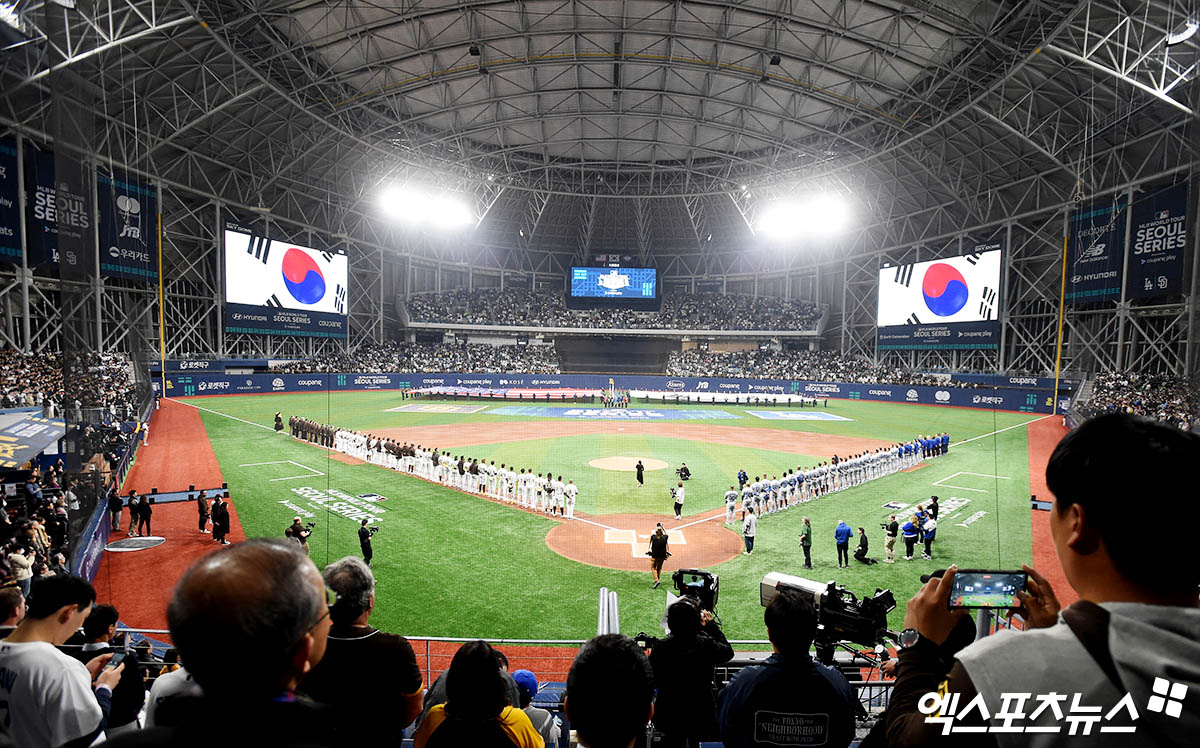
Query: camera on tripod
x=702, y=586
x=841, y=616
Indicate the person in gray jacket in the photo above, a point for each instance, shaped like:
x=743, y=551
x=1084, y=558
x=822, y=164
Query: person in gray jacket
x=1123, y=662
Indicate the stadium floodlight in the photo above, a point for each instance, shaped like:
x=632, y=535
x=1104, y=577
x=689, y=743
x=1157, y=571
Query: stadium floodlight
x=813, y=215
x=421, y=207
x=1183, y=33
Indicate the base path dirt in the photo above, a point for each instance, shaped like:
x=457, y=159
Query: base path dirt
x=455, y=435
x=620, y=541
x=1044, y=435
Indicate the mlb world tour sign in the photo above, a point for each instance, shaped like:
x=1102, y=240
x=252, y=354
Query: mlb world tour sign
x=694, y=388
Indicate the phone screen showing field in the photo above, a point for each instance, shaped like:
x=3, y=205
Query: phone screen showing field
x=986, y=589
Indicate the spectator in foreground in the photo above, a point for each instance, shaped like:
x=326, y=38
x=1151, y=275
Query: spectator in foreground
x=52, y=699
x=546, y=724
x=436, y=693
x=248, y=621
x=1135, y=629
x=477, y=710
x=764, y=703
x=130, y=692
x=177, y=683
x=684, y=708
x=12, y=609
x=610, y=692
x=337, y=680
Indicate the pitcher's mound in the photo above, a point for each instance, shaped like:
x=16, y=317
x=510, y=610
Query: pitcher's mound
x=626, y=463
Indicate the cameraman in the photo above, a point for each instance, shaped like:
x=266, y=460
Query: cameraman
x=685, y=710
x=892, y=528
x=764, y=703
x=677, y=494
x=298, y=533
x=364, y=541
x=683, y=472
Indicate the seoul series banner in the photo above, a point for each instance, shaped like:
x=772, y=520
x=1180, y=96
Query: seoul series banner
x=128, y=227
x=687, y=389
x=52, y=213
x=1096, y=251
x=1160, y=243
x=10, y=215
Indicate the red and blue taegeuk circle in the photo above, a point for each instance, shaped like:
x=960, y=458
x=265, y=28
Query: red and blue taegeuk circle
x=945, y=289
x=302, y=277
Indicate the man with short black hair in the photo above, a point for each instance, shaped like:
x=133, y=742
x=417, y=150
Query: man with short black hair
x=610, y=692
x=354, y=650
x=789, y=699
x=364, y=542
x=129, y=695
x=1134, y=634
x=52, y=699
x=683, y=662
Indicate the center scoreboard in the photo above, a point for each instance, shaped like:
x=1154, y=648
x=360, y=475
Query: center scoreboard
x=613, y=283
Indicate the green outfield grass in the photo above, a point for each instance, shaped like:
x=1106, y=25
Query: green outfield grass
x=455, y=565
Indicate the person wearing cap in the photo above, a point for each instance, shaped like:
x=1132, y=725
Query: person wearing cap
x=543, y=721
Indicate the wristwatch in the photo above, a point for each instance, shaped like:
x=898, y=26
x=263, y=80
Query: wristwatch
x=908, y=638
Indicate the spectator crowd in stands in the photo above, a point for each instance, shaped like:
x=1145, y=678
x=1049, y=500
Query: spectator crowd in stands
x=680, y=311
x=34, y=530
x=421, y=357
x=104, y=381
x=820, y=366
x=1164, y=397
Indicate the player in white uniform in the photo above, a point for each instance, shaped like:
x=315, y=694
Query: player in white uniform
x=747, y=498
x=556, y=495
x=776, y=494
x=731, y=497
x=570, y=492
x=522, y=496
x=543, y=498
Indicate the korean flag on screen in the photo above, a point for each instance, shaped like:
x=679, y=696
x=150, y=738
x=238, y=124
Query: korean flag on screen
x=264, y=272
x=955, y=289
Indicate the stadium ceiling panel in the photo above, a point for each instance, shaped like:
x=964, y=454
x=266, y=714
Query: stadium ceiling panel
x=932, y=114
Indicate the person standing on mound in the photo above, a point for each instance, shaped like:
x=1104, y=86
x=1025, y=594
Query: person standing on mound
x=641, y=474
x=658, y=553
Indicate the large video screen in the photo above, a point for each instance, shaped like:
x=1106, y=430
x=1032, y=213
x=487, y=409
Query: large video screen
x=614, y=283
x=281, y=288
x=948, y=303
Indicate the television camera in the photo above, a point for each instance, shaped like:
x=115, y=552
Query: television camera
x=841, y=616
x=702, y=586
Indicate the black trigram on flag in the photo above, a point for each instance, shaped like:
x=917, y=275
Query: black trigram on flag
x=260, y=247
x=904, y=275
x=339, y=298
x=973, y=258
x=987, y=303
x=913, y=320
x=327, y=255
x=273, y=301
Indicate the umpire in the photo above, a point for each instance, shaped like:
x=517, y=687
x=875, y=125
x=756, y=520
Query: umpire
x=364, y=542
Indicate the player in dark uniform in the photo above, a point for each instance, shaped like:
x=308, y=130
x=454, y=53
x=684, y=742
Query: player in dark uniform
x=641, y=474
x=658, y=552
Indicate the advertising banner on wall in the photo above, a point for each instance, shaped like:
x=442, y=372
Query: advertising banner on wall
x=1159, y=247
x=1096, y=251
x=10, y=216
x=54, y=216
x=128, y=211
x=686, y=389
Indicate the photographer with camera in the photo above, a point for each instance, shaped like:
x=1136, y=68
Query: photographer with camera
x=765, y=704
x=685, y=710
x=364, y=541
x=683, y=472
x=299, y=533
x=892, y=529
x=677, y=495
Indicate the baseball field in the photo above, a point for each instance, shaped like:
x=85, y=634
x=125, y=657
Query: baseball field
x=454, y=564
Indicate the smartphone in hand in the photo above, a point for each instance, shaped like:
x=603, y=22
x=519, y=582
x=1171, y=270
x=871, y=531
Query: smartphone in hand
x=987, y=588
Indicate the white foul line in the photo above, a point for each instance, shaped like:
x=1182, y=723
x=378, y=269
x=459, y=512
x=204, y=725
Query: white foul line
x=1001, y=431
x=219, y=413
x=597, y=524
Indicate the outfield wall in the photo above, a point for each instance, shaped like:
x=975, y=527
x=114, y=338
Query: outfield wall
x=1000, y=398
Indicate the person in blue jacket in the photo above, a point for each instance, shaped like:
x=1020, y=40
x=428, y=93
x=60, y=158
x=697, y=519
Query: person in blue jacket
x=842, y=535
x=910, y=532
x=945, y=443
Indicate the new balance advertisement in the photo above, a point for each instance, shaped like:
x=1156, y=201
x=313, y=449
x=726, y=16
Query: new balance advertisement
x=686, y=389
x=277, y=287
x=10, y=206
x=1160, y=243
x=952, y=303
x=128, y=227
x=1095, y=251
x=52, y=213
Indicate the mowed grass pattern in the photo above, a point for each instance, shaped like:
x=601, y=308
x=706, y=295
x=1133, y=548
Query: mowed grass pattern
x=449, y=564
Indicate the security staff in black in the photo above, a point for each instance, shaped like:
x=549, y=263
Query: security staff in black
x=364, y=542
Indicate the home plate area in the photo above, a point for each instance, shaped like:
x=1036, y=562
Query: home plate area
x=620, y=541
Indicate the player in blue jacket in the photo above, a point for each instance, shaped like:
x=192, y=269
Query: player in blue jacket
x=910, y=532
x=945, y=443
x=842, y=535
